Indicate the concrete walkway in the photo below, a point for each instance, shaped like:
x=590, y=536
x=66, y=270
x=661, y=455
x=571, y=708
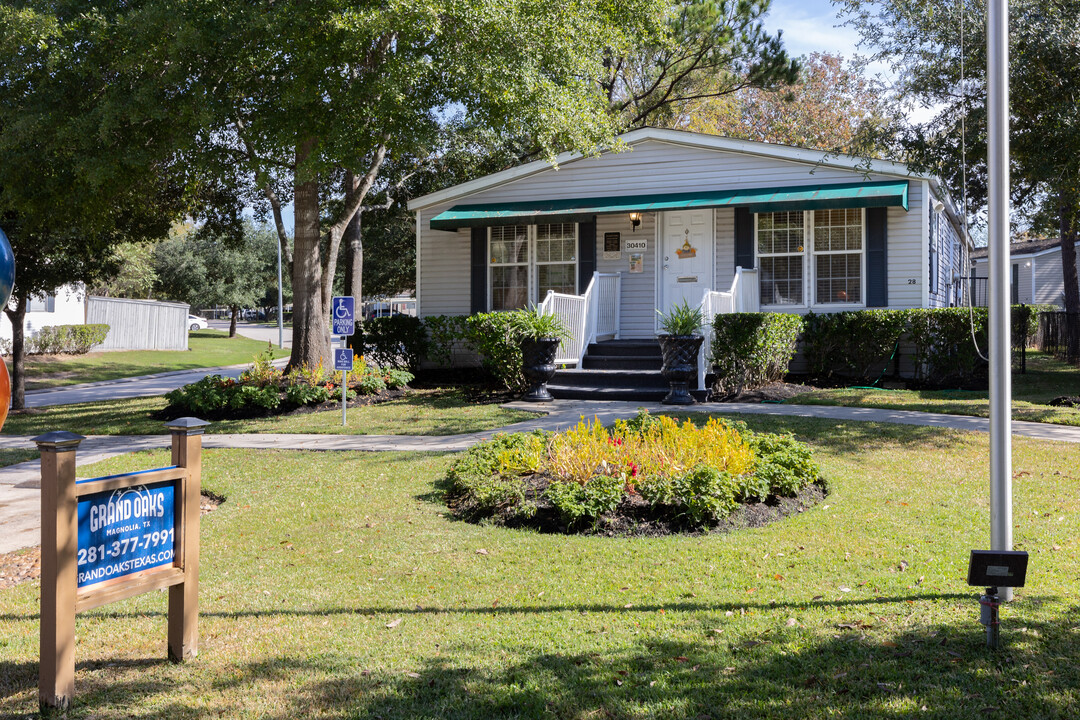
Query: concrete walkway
x=131, y=387
x=19, y=497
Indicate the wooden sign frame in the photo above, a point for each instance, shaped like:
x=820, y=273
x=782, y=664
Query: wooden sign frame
x=61, y=599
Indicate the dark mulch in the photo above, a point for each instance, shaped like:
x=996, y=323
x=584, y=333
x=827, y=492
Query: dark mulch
x=172, y=412
x=23, y=565
x=1065, y=401
x=772, y=393
x=636, y=518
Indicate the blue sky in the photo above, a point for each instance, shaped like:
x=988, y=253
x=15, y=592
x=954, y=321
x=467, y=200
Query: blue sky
x=811, y=26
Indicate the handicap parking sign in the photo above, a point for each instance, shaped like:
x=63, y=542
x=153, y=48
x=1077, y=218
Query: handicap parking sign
x=343, y=359
x=342, y=312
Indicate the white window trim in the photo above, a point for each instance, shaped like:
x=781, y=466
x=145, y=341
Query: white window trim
x=810, y=269
x=532, y=265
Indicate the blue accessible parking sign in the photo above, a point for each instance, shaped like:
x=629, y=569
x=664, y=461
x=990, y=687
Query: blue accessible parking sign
x=343, y=359
x=343, y=315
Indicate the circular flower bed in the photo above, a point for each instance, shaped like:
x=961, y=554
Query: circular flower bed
x=649, y=475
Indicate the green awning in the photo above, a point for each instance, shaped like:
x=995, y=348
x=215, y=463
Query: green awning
x=891, y=193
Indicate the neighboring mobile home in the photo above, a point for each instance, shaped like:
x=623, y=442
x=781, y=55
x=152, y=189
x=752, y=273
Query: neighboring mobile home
x=1036, y=273
x=732, y=225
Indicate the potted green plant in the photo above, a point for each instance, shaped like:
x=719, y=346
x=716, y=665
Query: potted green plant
x=539, y=337
x=680, y=341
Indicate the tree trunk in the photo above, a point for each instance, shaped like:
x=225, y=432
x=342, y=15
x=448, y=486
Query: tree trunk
x=311, y=331
x=354, y=267
x=232, y=322
x=17, y=316
x=1070, y=219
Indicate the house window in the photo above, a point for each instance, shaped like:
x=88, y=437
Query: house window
x=838, y=246
x=527, y=261
x=508, y=247
x=821, y=250
x=781, y=239
x=41, y=303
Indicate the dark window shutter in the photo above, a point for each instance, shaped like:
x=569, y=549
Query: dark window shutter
x=586, y=258
x=744, y=238
x=479, y=292
x=877, y=275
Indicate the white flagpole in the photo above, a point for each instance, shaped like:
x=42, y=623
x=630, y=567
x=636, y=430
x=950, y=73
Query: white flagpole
x=997, y=85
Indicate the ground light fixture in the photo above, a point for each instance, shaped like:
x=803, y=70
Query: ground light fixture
x=995, y=571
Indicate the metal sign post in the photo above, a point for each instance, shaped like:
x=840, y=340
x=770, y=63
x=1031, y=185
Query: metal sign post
x=343, y=318
x=343, y=362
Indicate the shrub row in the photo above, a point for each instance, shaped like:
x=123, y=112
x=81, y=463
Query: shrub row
x=684, y=474
x=403, y=341
x=67, y=339
x=754, y=349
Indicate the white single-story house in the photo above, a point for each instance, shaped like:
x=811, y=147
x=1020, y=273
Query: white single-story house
x=1036, y=273
x=671, y=216
x=64, y=306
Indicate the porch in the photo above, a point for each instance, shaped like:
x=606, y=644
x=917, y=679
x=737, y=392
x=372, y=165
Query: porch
x=605, y=364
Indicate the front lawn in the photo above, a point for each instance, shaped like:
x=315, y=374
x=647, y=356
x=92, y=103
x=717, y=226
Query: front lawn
x=335, y=585
x=207, y=348
x=1046, y=379
x=420, y=412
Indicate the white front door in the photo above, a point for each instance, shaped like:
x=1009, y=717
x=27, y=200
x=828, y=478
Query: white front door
x=686, y=257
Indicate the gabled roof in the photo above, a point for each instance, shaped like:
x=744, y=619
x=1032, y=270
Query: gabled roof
x=1023, y=248
x=681, y=137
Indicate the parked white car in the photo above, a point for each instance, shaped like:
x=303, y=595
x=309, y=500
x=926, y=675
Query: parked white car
x=196, y=323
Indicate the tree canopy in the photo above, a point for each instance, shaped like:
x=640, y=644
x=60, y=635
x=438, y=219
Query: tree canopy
x=831, y=106
x=930, y=44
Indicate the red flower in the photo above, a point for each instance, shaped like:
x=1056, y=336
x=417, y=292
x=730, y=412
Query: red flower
x=633, y=469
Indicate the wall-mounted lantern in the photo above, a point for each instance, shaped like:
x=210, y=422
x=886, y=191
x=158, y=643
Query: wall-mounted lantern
x=635, y=220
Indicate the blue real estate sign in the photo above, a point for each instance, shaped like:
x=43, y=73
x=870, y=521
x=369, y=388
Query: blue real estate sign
x=124, y=531
x=342, y=312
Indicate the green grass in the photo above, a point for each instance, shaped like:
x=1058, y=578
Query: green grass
x=421, y=412
x=335, y=586
x=16, y=455
x=208, y=348
x=1046, y=379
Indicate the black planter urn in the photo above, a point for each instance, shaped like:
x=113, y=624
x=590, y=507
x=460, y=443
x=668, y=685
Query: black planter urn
x=680, y=366
x=538, y=364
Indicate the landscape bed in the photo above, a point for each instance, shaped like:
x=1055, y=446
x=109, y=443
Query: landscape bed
x=646, y=476
x=337, y=585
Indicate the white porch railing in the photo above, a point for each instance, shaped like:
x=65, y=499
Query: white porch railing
x=742, y=296
x=590, y=316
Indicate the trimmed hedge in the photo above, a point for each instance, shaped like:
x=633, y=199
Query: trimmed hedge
x=750, y=350
x=395, y=341
x=857, y=345
x=66, y=339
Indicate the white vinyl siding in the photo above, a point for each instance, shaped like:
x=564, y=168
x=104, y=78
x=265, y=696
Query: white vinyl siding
x=660, y=167
x=637, y=314
x=906, y=251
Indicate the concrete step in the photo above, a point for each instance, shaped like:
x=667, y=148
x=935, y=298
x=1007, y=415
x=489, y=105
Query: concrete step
x=584, y=392
x=609, y=378
x=622, y=348
x=622, y=362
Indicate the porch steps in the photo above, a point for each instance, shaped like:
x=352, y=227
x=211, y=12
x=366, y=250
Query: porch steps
x=615, y=370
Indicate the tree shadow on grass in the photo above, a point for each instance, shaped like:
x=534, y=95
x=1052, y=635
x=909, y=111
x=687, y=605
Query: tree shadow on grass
x=938, y=672
x=785, y=673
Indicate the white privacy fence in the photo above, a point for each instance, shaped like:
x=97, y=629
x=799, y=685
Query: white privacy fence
x=588, y=317
x=139, y=324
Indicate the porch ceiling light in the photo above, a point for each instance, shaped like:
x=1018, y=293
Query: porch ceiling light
x=635, y=220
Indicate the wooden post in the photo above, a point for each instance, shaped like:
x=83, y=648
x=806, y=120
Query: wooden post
x=59, y=545
x=184, y=597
